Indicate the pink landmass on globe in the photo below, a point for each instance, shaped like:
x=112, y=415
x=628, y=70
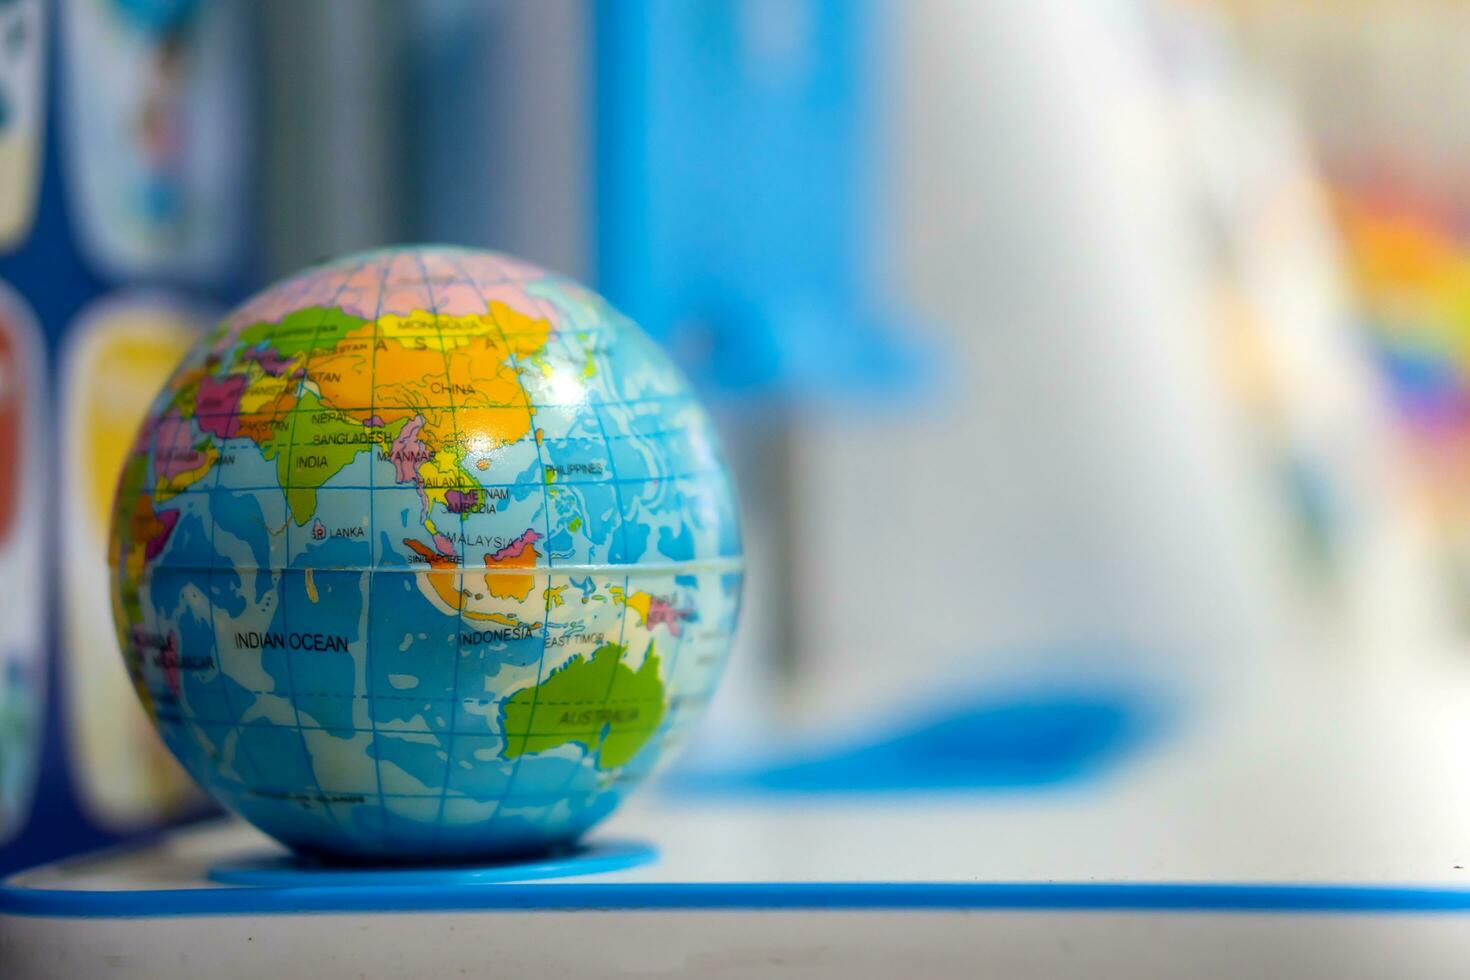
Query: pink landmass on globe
x=459, y=298
x=408, y=453
x=269, y=359
x=486, y=267
x=457, y=284
x=662, y=612
x=217, y=405
x=517, y=547
x=460, y=502
x=462, y=284
x=174, y=451
x=313, y=287
x=404, y=290
x=517, y=297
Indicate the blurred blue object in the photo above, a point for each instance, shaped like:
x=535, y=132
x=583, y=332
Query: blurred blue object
x=1042, y=738
x=739, y=192
x=156, y=17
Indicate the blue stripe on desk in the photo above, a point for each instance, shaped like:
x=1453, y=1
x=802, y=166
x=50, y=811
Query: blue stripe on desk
x=756, y=896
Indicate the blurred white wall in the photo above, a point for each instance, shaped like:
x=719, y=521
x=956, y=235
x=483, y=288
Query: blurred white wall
x=1092, y=200
x=1078, y=486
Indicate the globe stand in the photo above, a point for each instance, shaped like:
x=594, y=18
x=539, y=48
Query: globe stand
x=298, y=871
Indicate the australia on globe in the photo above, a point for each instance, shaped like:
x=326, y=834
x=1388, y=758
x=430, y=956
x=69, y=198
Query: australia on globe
x=425, y=554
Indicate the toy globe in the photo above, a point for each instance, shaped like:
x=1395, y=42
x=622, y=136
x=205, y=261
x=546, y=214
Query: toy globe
x=425, y=554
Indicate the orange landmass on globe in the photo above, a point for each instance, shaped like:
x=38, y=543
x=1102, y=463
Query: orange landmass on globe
x=520, y=553
x=455, y=371
x=445, y=577
x=451, y=374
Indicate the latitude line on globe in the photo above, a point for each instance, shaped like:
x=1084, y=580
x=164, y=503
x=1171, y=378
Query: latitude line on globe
x=529, y=798
x=471, y=484
x=726, y=564
x=677, y=396
x=373, y=407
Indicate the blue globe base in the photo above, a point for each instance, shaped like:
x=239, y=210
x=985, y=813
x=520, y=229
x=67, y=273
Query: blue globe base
x=300, y=871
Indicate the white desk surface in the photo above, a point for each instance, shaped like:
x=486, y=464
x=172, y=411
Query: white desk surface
x=1359, y=793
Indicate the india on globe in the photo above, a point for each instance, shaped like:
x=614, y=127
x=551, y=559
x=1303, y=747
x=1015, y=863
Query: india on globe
x=425, y=554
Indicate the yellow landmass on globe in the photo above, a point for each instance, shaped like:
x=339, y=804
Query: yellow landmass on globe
x=639, y=602
x=176, y=483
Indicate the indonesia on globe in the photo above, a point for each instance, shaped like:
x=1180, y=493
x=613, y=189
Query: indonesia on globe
x=425, y=553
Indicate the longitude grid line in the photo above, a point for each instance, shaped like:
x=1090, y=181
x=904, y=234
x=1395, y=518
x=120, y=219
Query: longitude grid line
x=459, y=613
x=180, y=717
x=623, y=538
x=708, y=687
x=675, y=703
x=372, y=546
x=515, y=769
x=290, y=518
x=219, y=664
x=701, y=572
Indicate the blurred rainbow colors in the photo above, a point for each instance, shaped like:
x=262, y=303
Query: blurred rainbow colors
x=1409, y=259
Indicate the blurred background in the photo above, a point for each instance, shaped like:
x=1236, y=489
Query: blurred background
x=1097, y=376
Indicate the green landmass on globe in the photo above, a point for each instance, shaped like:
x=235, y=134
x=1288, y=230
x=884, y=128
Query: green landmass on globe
x=600, y=703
